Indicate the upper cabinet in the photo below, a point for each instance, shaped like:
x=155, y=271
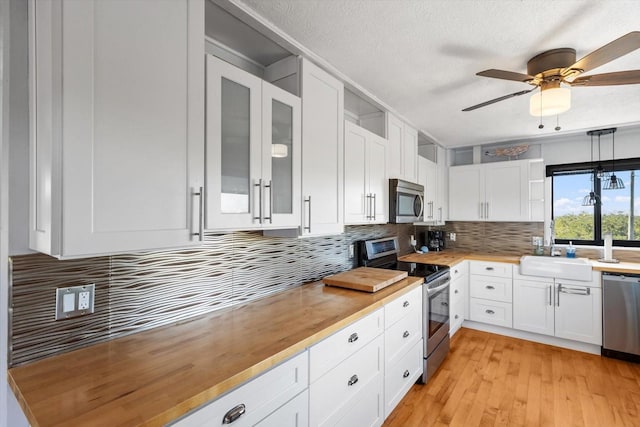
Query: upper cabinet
x=117, y=125
x=366, y=182
x=252, y=151
x=403, y=149
x=322, y=152
x=499, y=191
x=433, y=175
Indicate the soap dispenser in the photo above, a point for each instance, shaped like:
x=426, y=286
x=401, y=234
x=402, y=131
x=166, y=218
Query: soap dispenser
x=571, y=251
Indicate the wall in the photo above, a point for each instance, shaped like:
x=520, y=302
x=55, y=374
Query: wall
x=140, y=291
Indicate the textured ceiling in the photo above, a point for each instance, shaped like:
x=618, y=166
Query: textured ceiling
x=420, y=58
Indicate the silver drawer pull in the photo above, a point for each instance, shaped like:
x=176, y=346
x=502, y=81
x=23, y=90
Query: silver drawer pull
x=490, y=312
x=352, y=380
x=353, y=337
x=444, y=303
x=455, y=292
x=406, y=334
x=406, y=374
x=455, y=317
x=455, y=271
x=234, y=413
x=489, y=287
x=489, y=268
x=405, y=304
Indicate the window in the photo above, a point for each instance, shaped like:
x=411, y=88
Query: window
x=615, y=211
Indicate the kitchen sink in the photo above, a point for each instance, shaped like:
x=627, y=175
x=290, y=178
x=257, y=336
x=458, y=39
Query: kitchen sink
x=559, y=267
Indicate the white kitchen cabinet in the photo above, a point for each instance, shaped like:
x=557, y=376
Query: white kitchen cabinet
x=366, y=185
x=498, y=191
x=403, y=347
x=459, y=295
x=562, y=308
x=276, y=397
x=117, y=128
x=403, y=149
x=490, y=291
x=252, y=151
x=322, y=152
x=346, y=375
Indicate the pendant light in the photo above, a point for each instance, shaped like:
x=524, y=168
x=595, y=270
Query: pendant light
x=613, y=183
x=600, y=172
x=591, y=199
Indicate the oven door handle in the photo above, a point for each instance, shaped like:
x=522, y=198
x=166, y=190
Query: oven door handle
x=437, y=289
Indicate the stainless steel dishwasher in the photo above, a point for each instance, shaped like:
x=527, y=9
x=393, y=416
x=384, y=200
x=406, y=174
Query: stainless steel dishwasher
x=621, y=316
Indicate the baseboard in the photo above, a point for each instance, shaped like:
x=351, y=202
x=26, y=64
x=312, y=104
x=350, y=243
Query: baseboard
x=530, y=336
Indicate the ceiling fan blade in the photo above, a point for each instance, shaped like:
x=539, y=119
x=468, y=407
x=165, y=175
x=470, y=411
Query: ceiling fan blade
x=609, y=79
x=505, y=75
x=502, y=98
x=607, y=53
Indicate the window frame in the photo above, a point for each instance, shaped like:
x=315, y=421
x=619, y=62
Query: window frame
x=590, y=167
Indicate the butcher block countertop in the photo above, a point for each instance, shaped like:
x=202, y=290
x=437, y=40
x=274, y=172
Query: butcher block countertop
x=153, y=377
x=450, y=257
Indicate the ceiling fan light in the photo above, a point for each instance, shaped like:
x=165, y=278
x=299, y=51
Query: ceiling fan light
x=550, y=102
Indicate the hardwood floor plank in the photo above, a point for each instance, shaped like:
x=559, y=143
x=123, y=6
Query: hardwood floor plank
x=492, y=380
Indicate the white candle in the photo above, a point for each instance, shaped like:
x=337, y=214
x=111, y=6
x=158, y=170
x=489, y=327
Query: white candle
x=608, y=250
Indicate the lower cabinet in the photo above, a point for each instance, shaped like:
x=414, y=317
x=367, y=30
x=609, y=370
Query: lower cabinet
x=459, y=296
x=278, y=394
x=566, y=309
x=403, y=347
x=490, y=291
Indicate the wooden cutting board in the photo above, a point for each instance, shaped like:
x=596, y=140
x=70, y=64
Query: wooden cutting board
x=365, y=279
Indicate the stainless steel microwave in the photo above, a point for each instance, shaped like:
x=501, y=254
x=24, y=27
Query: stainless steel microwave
x=406, y=201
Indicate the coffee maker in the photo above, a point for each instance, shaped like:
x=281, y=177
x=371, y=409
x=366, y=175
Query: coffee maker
x=435, y=240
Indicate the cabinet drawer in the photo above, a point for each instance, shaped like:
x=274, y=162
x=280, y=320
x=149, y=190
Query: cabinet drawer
x=402, y=335
x=492, y=288
x=402, y=306
x=459, y=270
x=345, y=382
x=294, y=413
x=365, y=410
x=334, y=349
x=258, y=397
x=497, y=269
x=493, y=312
x=400, y=376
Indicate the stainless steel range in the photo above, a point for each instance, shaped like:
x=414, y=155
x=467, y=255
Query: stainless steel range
x=383, y=253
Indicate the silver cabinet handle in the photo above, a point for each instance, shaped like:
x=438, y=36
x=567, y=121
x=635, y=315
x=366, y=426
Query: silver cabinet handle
x=480, y=210
x=489, y=287
x=490, y=312
x=259, y=185
x=368, y=207
x=455, y=292
x=558, y=297
x=406, y=374
x=405, y=334
x=353, y=337
x=234, y=413
x=444, y=304
x=269, y=186
x=308, y=226
x=405, y=304
x=574, y=290
x=550, y=295
x=489, y=268
x=486, y=210
x=456, y=316
x=374, y=206
x=200, y=195
x=352, y=380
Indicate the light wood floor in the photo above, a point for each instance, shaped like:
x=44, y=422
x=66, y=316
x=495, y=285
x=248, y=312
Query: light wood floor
x=492, y=380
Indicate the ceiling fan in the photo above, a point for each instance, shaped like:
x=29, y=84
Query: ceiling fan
x=552, y=68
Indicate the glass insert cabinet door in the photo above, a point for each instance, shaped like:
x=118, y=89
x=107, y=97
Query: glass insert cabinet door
x=233, y=146
x=252, y=151
x=281, y=156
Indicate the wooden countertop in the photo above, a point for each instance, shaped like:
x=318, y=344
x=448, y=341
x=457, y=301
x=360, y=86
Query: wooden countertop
x=450, y=258
x=622, y=267
x=153, y=377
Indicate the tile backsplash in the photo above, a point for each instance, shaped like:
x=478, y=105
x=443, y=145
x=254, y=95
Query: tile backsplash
x=140, y=291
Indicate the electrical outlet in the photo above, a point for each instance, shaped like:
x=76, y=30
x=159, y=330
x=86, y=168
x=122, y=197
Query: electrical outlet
x=536, y=241
x=412, y=241
x=74, y=301
x=351, y=251
x=452, y=237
